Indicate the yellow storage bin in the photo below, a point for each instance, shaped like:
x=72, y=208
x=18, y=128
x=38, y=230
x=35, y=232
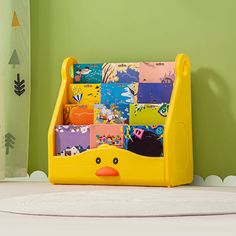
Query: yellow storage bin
x=174, y=168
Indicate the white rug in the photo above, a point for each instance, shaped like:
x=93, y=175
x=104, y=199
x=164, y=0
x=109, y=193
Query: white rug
x=124, y=202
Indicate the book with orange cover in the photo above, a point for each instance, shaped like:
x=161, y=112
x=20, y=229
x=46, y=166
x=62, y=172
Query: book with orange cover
x=75, y=114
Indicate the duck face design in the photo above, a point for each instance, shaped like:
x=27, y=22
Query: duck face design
x=107, y=170
x=111, y=165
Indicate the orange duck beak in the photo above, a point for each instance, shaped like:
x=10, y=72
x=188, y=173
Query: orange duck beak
x=107, y=171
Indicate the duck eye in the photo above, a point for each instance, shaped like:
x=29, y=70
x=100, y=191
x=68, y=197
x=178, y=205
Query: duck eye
x=115, y=160
x=98, y=160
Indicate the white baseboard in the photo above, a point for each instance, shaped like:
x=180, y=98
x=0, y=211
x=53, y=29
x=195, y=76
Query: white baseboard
x=214, y=180
x=36, y=176
x=211, y=180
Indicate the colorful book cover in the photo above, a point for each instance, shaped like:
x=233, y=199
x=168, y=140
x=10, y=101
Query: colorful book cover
x=120, y=72
x=88, y=73
x=148, y=114
x=144, y=140
x=84, y=93
x=76, y=114
x=106, y=134
x=111, y=114
x=119, y=93
x=72, y=139
x=157, y=72
x=154, y=93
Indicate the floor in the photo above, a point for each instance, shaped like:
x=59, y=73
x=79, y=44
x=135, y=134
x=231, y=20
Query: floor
x=13, y=224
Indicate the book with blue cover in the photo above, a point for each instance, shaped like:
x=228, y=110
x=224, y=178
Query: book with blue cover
x=87, y=73
x=119, y=93
x=154, y=92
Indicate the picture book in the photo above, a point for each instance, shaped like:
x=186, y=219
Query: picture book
x=111, y=114
x=106, y=134
x=157, y=72
x=148, y=114
x=120, y=72
x=119, y=93
x=72, y=139
x=144, y=140
x=154, y=93
x=88, y=73
x=84, y=93
x=76, y=114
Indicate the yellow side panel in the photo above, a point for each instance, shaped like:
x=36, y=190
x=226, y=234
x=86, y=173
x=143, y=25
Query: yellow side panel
x=178, y=128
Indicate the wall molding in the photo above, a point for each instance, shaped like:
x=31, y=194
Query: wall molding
x=211, y=180
x=36, y=176
x=215, y=180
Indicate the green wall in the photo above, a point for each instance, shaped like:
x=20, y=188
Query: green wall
x=134, y=30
